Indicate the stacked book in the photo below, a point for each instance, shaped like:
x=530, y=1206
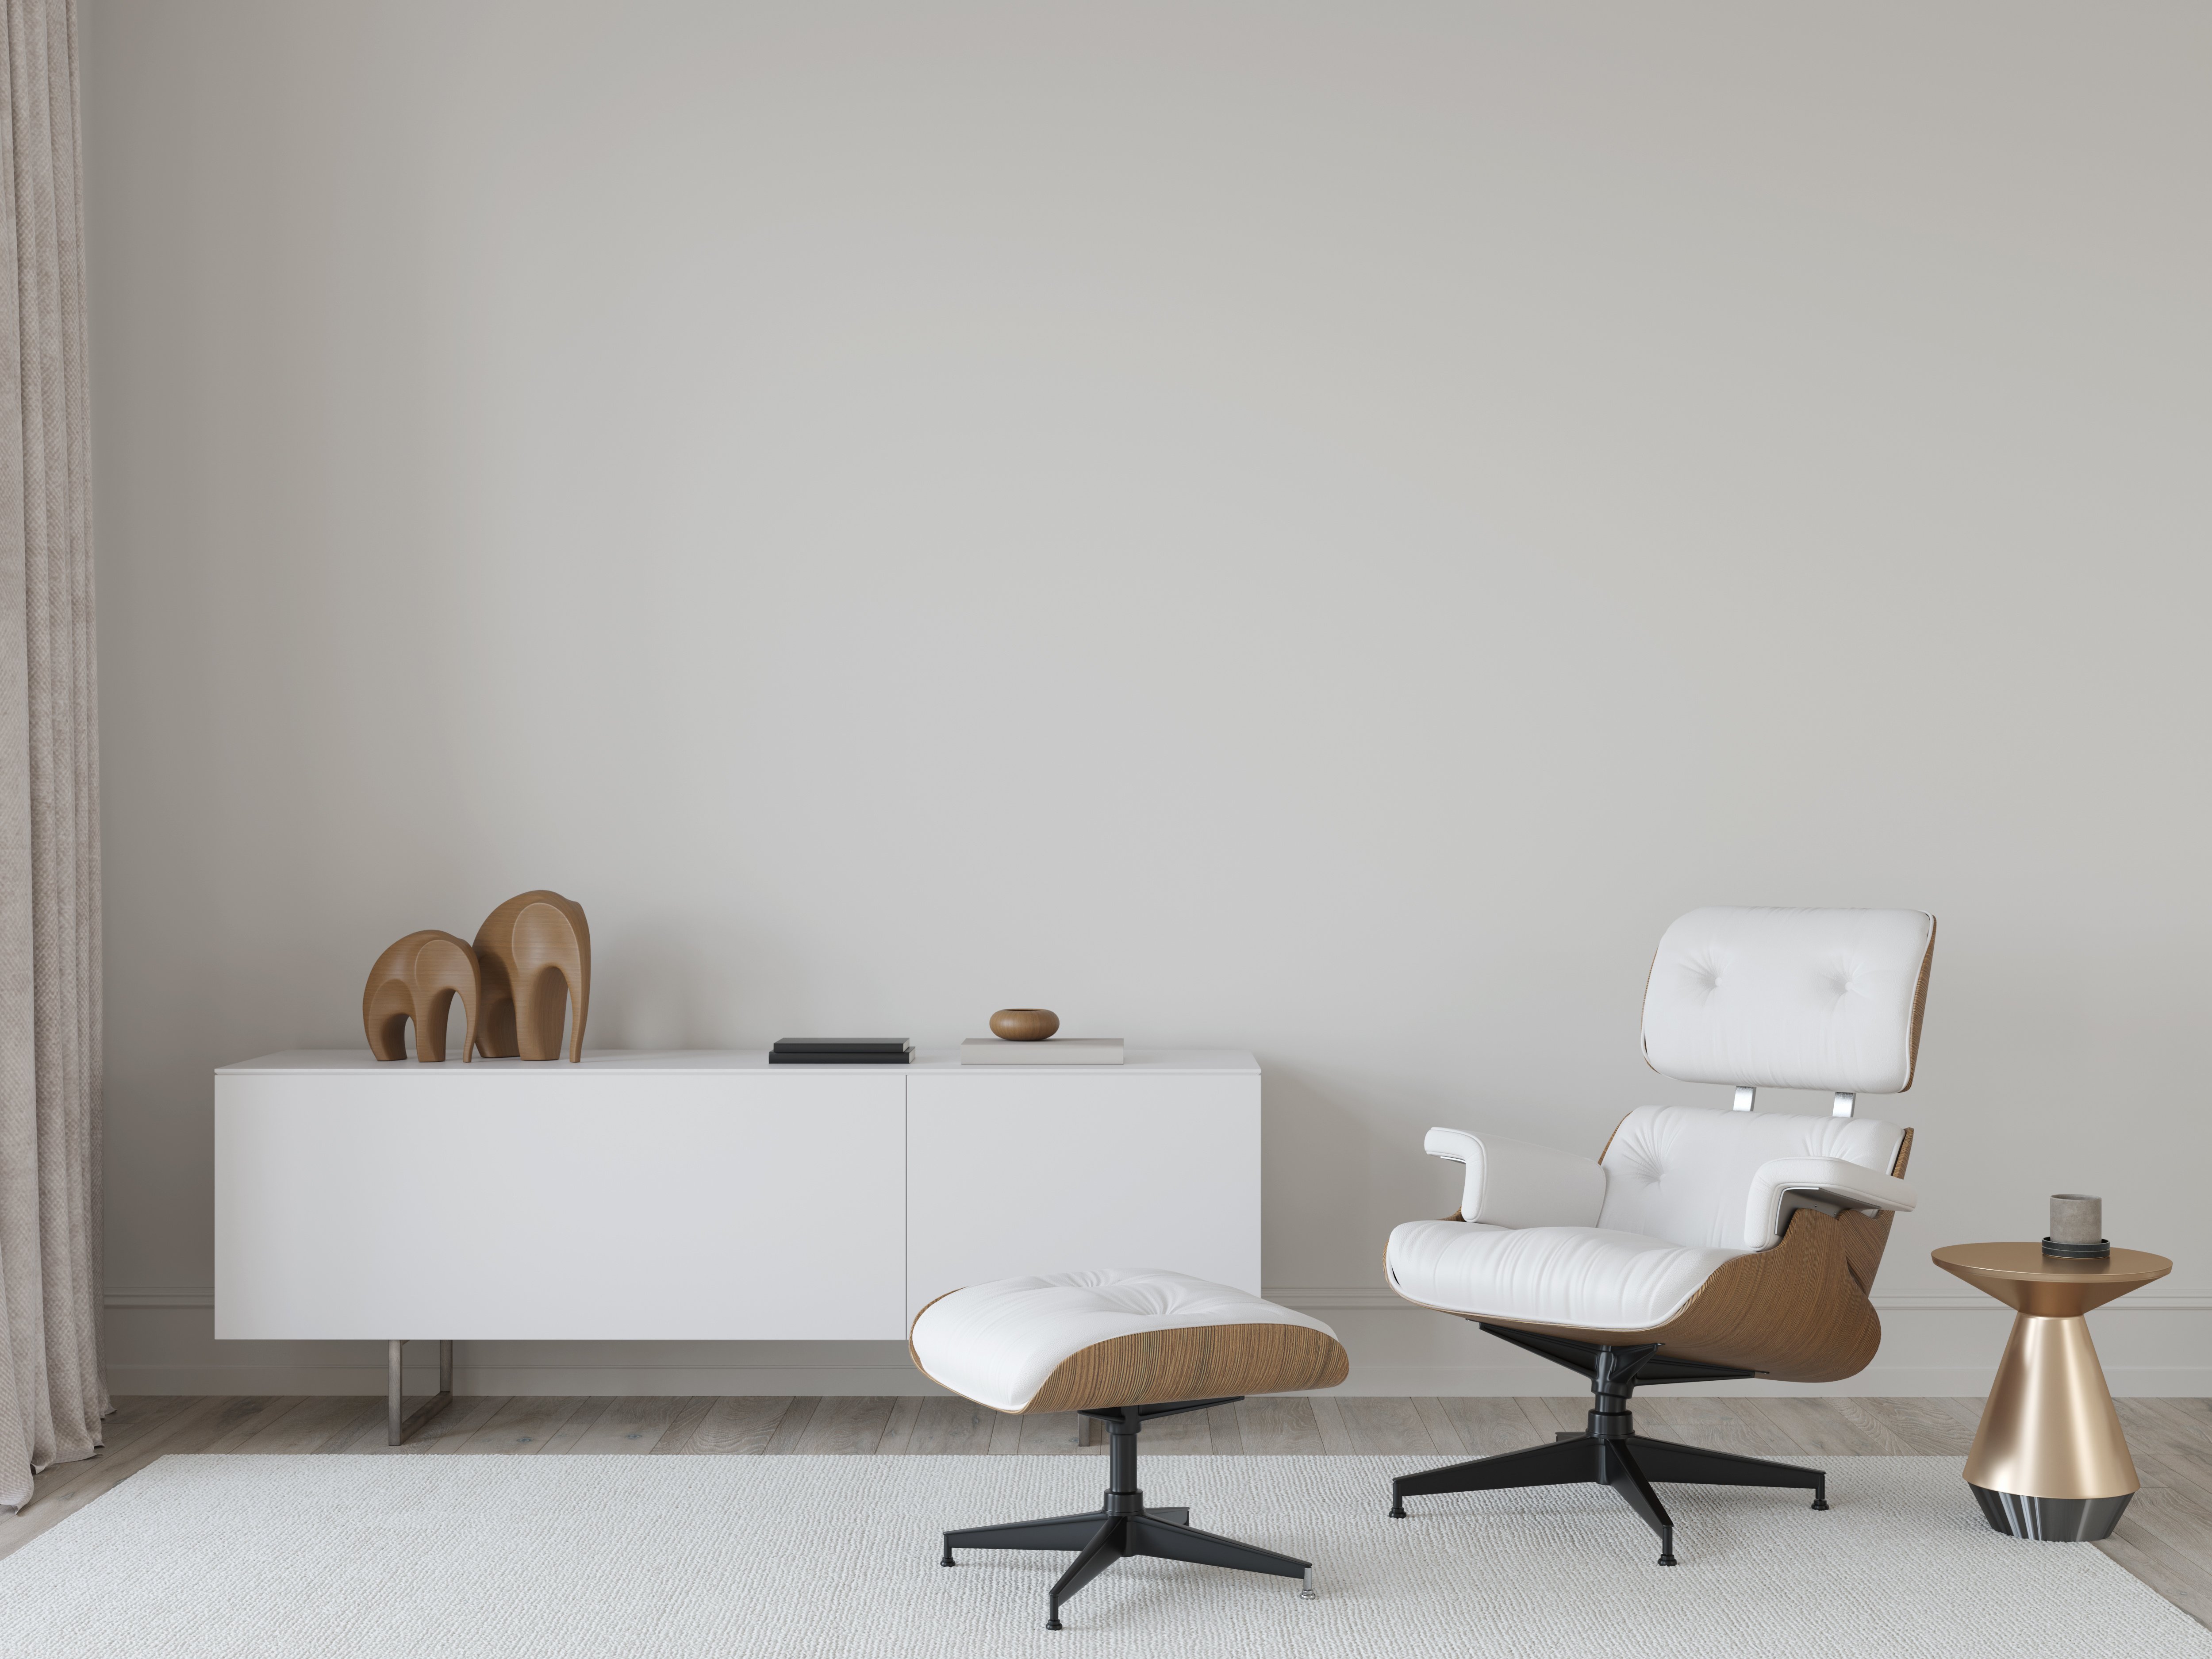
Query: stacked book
x=1053, y=1051
x=841, y=1051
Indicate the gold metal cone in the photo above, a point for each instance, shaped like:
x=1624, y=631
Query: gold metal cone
x=2049, y=1429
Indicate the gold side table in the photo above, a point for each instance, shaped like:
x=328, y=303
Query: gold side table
x=2049, y=1459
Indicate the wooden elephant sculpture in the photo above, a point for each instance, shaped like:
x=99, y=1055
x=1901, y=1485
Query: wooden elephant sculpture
x=536, y=950
x=417, y=979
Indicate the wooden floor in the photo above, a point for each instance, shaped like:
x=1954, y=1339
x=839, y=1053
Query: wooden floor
x=2166, y=1539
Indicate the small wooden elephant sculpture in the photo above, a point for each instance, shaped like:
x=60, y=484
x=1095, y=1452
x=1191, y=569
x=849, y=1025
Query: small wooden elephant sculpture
x=536, y=950
x=417, y=979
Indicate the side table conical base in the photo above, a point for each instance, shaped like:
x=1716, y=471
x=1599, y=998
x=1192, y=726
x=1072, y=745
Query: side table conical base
x=2049, y=1460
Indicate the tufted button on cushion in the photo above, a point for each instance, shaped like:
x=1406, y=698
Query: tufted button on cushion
x=1680, y=1173
x=1789, y=999
x=1114, y=1337
x=1682, y=1191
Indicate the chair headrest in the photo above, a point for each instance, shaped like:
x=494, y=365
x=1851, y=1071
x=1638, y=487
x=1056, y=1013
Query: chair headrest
x=1785, y=999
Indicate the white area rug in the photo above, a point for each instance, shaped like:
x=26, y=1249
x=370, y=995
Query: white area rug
x=797, y=1556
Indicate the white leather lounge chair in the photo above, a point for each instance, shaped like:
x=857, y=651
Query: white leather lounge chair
x=1701, y=1244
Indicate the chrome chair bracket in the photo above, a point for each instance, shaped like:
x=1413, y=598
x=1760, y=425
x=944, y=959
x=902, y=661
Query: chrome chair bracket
x=1745, y=1095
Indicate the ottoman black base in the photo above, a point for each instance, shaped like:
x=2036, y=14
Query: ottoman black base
x=1124, y=1524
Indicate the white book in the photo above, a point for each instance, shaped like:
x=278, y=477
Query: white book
x=1053, y=1051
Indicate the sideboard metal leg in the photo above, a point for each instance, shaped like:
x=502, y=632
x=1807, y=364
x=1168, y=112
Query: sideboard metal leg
x=391, y=1391
x=394, y=1381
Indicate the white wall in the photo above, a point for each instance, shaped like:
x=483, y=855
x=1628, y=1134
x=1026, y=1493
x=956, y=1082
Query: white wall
x=1317, y=528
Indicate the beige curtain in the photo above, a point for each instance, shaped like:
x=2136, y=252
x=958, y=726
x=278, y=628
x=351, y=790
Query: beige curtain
x=53, y=1390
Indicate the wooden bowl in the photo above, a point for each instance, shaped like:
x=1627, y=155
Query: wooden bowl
x=1024, y=1025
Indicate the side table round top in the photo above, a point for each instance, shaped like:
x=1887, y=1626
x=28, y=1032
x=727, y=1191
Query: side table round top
x=2051, y=1286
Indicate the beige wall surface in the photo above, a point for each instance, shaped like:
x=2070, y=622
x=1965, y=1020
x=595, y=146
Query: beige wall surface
x=1316, y=528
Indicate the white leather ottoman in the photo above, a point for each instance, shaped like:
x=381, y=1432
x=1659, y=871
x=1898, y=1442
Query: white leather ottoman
x=1120, y=1347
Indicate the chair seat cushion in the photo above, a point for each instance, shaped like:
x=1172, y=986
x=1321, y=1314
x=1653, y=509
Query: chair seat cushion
x=1115, y=1337
x=1592, y=1277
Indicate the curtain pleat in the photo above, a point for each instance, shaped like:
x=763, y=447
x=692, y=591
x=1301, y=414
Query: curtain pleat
x=51, y=1368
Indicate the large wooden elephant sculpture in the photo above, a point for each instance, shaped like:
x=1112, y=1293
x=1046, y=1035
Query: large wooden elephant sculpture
x=417, y=979
x=536, y=951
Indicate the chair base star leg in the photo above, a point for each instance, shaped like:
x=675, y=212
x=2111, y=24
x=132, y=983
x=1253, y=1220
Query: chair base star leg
x=1609, y=1452
x=1124, y=1525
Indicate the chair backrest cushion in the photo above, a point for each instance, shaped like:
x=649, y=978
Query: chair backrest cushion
x=1789, y=999
x=1683, y=1173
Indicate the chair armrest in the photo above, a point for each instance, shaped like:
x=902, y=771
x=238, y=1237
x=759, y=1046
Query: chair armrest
x=1828, y=1181
x=1518, y=1183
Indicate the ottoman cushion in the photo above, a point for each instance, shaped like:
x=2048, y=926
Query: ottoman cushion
x=1112, y=1337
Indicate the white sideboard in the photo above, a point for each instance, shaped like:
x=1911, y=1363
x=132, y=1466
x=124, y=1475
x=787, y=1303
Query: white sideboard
x=709, y=1196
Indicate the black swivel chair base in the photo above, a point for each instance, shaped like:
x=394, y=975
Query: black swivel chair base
x=1125, y=1524
x=1609, y=1452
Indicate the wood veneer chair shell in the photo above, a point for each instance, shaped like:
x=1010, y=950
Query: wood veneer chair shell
x=1798, y=1313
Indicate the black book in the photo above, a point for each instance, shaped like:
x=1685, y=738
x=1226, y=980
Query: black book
x=841, y=1051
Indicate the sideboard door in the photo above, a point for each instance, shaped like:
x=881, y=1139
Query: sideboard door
x=504, y=1200
x=1035, y=1171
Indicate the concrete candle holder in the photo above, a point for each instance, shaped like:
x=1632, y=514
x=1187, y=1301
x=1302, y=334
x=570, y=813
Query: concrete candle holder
x=2077, y=1226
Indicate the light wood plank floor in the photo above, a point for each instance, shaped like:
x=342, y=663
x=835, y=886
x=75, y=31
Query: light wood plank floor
x=2166, y=1539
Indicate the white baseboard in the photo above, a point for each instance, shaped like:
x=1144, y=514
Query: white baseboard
x=159, y=1296
x=598, y=1380
x=1318, y=1299
x=1939, y=1344
x=2155, y=1382
x=1917, y=1382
